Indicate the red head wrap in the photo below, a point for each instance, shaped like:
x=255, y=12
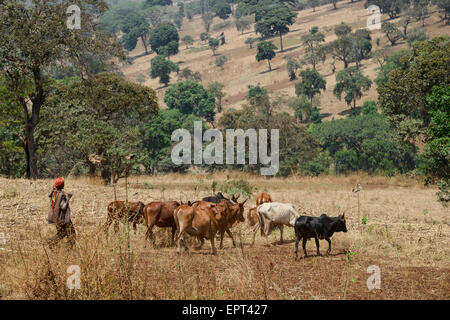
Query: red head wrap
x=59, y=182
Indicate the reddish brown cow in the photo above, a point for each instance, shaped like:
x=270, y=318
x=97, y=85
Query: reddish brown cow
x=252, y=217
x=201, y=220
x=263, y=197
x=159, y=214
x=122, y=211
x=234, y=213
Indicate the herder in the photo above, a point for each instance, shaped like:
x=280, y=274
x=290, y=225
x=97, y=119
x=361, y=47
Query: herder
x=59, y=214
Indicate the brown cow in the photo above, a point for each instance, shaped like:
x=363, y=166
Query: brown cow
x=263, y=197
x=252, y=217
x=201, y=220
x=159, y=214
x=234, y=213
x=120, y=210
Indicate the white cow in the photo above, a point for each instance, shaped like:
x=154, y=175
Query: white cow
x=275, y=214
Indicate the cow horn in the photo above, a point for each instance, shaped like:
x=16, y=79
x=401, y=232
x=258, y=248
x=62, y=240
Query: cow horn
x=244, y=201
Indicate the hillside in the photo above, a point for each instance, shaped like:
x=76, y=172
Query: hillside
x=242, y=69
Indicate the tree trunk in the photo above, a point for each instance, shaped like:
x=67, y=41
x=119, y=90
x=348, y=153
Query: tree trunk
x=270, y=68
x=31, y=122
x=145, y=45
x=281, y=42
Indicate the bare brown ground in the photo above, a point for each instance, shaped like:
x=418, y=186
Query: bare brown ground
x=242, y=69
x=407, y=236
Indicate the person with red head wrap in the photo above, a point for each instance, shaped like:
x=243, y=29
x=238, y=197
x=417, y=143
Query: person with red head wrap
x=59, y=214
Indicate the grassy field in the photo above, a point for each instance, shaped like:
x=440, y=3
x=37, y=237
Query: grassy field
x=242, y=69
x=406, y=235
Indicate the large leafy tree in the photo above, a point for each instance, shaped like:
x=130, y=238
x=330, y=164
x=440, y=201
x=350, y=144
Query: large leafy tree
x=222, y=9
x=134, y=27
x=341, y=48
x=352, y=82
x=436, y=164
x=365, y=143
x=266, y=51
x=311, y=84
x=403, y=96
x=276, y=22
x=164, y=39
x=314, y=51
x=34, y=37
x=213, y=45
x=361, y=46
x=161, y=68
x=101, y=117
x=190, y=97
x=151, y=3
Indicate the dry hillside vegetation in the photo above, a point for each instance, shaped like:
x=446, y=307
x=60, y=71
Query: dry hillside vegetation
x=406, y=235
x=242, y=69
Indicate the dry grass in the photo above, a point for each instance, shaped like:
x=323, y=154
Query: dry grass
x=407, y=236
x=242, y=69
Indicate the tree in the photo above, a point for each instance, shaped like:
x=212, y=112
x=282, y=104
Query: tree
x=216, y=88
x=207, y=19
x=353, y=83
x=220, y=61
x=417, y=34
x=403, y=96
x=134, y=27
x=189, y=74
x=35, y=37
x=314, y=52
x=420, y=10
x=311, y=84
x=243, y=23
x=188, y=40
x=213, y=45
x=392, y=32
x=152, y=3
x=98, y=121
x=250, y=41
x=164, y=36
x=178, y=21
x=436, y=164
x=204, y=36
x=341, y=48
x=292, y=65
x=302, y=108
x=361, y=46
x=444, y=7
x=161, y=68
x=276, y=22
x=266, y=51
x=366, y=143
x=222, y=9
x=189, y=97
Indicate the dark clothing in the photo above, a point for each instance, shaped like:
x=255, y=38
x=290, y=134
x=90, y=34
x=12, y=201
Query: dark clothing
x=59, y=215
x=62, y=231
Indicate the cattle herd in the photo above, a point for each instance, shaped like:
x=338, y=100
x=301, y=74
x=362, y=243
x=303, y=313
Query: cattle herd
x=204, y=219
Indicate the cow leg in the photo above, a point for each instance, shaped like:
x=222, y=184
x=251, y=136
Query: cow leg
x=304, y=246
x=222, y=232
x=329, y=245
x=281, y=234
x=174, y=229
x=266, y=231
x=317, y=245
x=231, y=236
x=202, y=241
x=297, y=240
x=107, y=225
x=134, y=227
x=255, y=229
x=149, y=235
x=213, y=247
